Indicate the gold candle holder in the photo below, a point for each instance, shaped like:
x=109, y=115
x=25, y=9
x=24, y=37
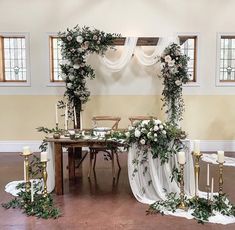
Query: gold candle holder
x=208, y=189
x=44, y=177
x=221, y=181
x=26, y=165
x=197, y=156
x=182, y=204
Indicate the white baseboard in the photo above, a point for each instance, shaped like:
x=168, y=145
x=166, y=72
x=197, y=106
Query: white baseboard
x=205, y=145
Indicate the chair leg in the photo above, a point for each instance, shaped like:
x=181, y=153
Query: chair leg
x=117, y=157
x=113, y=169
x=90, y=166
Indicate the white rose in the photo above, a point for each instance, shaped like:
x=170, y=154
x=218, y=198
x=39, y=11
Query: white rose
x=155, y=128
x=157, y=122
x=155, y=135
x=161, y=126
x=69, y=85
x=143, y=130
x=145, y=122
x=137, y=133
x=63, y=76
x=168, y=58
x=142, y=141
x=127, y=134
x=178, y=82
x=149, y=134
x=79, y=39
x=76, y=66
x=69, y=38
x=164, y=132
x=130, y=128
x=155, y=139
x=71, y=77
x=171, y=63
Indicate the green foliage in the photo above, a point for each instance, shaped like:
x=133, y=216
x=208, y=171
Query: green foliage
x=174, y=74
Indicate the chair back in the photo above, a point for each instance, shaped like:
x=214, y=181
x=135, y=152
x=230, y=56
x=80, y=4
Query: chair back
x=115, y=120
x=140, y=118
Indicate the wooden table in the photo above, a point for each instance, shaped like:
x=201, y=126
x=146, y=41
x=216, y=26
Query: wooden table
x=65, y=142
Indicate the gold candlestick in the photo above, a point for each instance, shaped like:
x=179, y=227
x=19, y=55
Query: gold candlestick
x=197, y=156
x=182, y=204
x=208, y=189
x=221, y=179
x=44, y=177
x=26, y=165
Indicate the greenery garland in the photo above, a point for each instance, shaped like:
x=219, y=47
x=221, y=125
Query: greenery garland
x=174, y=73
x=41, y=207
x=77, y=44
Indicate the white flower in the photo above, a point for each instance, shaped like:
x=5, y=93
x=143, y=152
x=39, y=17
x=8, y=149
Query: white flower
x=157, y=122
x=174, y=70
x=72, y=50
x=63, y=76
x=143, y=130
x=164, y=132
x=95, y=37
x=85, y=45
x=155, y=139
x=155, y=128
x=76, y=66
x=69, y=85
x=137, y=133
x=142, y=141
x=69, y=38
x=130, y=128
x=80, y=50
x=71, y=77
x=168, y=58
x=178, y=82
x=145, y=122
x=149, y=134
x=79, y=39
x=161, y=126
x=127, y=134
x=155, y=135
x=171, y=63
x=65, y=62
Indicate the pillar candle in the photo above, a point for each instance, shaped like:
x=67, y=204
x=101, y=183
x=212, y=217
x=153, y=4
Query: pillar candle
x=181, y=157
x=43, y=156
x=56, y=114
x=75, y=116
x=81, y=120
x=208, y=175
x=32, y=192
x=197, y=146
x=220, y=156
x=26, y=150
x=212, y=187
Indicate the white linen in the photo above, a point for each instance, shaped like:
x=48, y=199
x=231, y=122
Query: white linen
x=212, y=158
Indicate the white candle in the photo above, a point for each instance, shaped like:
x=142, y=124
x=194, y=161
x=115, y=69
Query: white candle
x=208, y=175
x=212, y=188
x=56, y=114
x=32, y=192
x=197, y=146
x=24, y=173
x=26, y=150
x=75, y=116
x=220, y=156
x=81, y=120
x=181, y=158
x=43, y=156
x=66, y=118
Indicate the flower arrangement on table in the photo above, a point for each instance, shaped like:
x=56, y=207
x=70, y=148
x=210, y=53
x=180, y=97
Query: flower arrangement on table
x=173, y=66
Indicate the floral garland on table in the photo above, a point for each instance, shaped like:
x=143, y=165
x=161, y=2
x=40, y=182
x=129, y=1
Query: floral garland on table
x=174, y=73
x=77, y=44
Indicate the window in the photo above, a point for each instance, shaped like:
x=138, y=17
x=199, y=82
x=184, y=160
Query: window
x=13, y=60
x=189, y=47
x=227, y=59
x=55, y=59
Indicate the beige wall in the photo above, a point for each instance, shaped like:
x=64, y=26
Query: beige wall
x=210, y=110
x=206, y=117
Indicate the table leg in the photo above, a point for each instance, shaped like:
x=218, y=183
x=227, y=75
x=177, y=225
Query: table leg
x=58, y=169
x=71, y=162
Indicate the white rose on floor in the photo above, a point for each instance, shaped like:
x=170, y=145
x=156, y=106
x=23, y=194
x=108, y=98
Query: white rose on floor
x=79, y=39
x=76, y=66
x=171, y=63
x=155, y=128
x=161, y=126
x=168, y=58
x=71, y=77
x=178, y=82
x=164, y=132
x=127, y=134
x=69, y=85
x=137, y=133
x=142, y=141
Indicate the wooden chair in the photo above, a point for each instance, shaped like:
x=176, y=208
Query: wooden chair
x=140, y=118
x=93, y=151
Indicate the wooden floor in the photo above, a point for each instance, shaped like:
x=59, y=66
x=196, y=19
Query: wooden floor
x=99, y=203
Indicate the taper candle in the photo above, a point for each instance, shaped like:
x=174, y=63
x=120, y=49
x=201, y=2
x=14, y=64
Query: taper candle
x=32, y=192
x=56, y=114
x=75, y=116
x=212, y=187
x=197, y=146
x=220, y=156
x=181, y=158
x=208, y=175
x=43, y=156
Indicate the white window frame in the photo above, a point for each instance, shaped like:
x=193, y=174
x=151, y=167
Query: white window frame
x=49, y=82
x=218, y=83
x=196, y=83
x=27, y=52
